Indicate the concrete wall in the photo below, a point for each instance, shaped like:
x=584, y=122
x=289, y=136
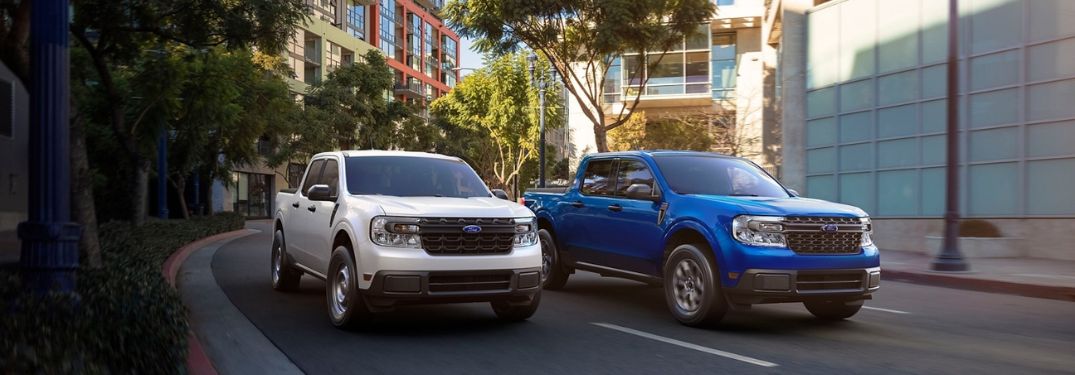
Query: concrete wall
x=792, y=61
x=1046, y=238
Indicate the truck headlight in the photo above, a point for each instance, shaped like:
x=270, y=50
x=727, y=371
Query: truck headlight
x=395, y=232
x=525, y=232
x=867, y=232
x=759, y=230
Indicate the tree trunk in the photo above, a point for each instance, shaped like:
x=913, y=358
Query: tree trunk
x=600, y=137
x=83, y=209
x=180, y=185
x=140, y=192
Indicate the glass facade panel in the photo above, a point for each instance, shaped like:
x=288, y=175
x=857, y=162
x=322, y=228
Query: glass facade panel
x=994, y=144
x=933, y=186
x=994, y=108
x=1049, y=101
x=821, y=187
x=821, y=160
x=897, y=88
x=1050, y=18
x=996, y=24
x=934, y=116
x=897, y=153
x=699, y=39
x=821, y=132
x=356, y=21
x=856, y=157
x=993, y=189
x=697, y=67
x=858, y=95
x=857, y=189
x=1051, y=60
x=722, y=57
x=934, y=31
x=1049, y=187
x=821, y=102
x=934, y=150
x=935, y=81
x=612, y=86
x=856, y=42
x=897, y=193
x=897, y=35
x=897, y=121
x=1050, y=139
x=821, y=26
x=388, y=27
x=998, y=69
x=856, y=127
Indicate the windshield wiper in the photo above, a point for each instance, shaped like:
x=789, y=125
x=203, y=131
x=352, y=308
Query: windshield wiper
x=742, y=195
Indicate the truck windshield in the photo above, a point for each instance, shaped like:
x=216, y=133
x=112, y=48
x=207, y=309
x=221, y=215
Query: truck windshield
x=714, y=175
x=408, y=176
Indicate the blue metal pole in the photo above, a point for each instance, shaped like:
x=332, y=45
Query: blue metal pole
x=197, y=193
x=49, y=255
x=162, y=175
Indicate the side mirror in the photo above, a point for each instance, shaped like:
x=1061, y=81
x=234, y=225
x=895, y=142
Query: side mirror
x=793, y=192
x=320, y=192
x=500, y=193
x=643, y=192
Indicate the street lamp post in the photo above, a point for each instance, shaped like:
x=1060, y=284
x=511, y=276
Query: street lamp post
x=541, y=84
x=950, y=258
x=49, y=254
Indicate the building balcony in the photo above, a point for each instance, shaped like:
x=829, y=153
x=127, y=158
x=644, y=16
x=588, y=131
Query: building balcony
x=412, y=89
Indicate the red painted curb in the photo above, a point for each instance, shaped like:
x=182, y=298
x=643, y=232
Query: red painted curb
x=982, y=285
x=197, y=362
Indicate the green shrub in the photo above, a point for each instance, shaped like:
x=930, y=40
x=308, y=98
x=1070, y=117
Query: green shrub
x=978, y=228
x=127, y=319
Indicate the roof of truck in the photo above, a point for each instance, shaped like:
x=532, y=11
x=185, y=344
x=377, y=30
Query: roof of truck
x=659, y=152
x=359, y=153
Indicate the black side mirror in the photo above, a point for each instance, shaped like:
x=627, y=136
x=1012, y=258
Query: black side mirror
x=320, y=192
x=643, y=192
x=500, y=193
x=793, y=192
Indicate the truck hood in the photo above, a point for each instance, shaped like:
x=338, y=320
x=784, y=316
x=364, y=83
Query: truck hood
x=785, y=206
x=448, y=207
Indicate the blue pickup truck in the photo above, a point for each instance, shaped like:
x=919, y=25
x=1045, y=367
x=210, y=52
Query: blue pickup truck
x=717, y=231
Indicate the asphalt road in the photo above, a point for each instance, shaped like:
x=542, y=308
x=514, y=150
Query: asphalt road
x=614, y=326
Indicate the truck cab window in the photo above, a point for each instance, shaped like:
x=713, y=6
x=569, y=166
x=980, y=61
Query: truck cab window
x=331, y=176
x=632, y=172
x=312, y=176
x=597, y=179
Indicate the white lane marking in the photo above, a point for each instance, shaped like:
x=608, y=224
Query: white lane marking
x=885, y=310
x=737, y=357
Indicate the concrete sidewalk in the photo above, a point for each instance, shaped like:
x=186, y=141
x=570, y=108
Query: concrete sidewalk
x=1041, y=278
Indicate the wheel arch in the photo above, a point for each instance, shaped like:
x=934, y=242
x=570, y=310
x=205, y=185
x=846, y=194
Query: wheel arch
x=689, y=231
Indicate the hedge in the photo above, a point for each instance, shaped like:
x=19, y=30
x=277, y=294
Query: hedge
x=126, y=318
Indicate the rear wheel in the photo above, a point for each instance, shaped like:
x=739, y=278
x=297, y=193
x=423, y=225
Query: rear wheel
x=691, y=288
x=553, y=274
x=285, y=277
x=516, y=311
x=346, y=307
x=833, y=310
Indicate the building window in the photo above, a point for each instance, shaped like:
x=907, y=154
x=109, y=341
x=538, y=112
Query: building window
x=429, y=48
x=448, y=65
x=613, y=85
x=723, y=60
x=414, y=41
x=388, y=28
x=251, y=194
x=334, y=56
x=724, y=2
x=682, y=70
x=356, y=21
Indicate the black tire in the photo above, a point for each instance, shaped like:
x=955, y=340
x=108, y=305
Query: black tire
x=553, y=274
x=833, y=310
x=691, y=288
x=516, y=311
x=347, y=307
x=285, y=277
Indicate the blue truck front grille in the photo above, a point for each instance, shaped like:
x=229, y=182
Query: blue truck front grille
x=805, y=235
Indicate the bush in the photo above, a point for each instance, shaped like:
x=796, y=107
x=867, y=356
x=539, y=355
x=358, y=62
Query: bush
x=978, y=228
x=127, y=319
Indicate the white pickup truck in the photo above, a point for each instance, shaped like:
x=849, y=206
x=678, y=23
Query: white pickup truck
x=384, y=228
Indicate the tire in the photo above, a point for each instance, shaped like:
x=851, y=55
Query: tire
x=346, y=306
x=553, y=273
x=516, y=311
x=285, y=277
x=691, y=289
x=833, y=310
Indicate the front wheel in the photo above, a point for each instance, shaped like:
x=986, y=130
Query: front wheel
x=691, y=288
x=346, y=307
x=553, y=274
x=833, y=310
x=514, y=311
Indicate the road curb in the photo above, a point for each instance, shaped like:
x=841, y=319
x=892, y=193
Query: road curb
x=197, y=361
x=982, y=285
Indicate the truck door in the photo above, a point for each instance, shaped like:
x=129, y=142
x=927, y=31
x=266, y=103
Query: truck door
x=585, y=213
x=297, y=229
x=321, y=215
x=635, y=246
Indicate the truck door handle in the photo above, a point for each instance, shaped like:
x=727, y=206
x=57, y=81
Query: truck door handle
x=296, y=205
x=615, y=208
x=577, y=204
x=312, y=208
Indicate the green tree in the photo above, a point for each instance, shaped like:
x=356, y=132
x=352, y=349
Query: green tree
x=581, y=38
x=356, y=97
x=497, y=106
x=674, y=132
x=116, y=35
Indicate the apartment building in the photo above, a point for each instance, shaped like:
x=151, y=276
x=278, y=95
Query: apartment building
x=421, y=49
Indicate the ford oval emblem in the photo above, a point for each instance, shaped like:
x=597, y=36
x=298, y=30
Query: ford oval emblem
x=830, y=228
x=472, y=229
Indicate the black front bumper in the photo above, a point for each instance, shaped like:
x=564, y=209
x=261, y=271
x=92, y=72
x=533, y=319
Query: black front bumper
x=775, y=286
x=391, y=288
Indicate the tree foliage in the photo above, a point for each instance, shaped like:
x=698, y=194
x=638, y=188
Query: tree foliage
x=667, y=133
x=580, y=38
x=493, y=112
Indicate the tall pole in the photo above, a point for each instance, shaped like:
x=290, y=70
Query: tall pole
x=49, y=255
x=949, y=258
x=541, y=131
